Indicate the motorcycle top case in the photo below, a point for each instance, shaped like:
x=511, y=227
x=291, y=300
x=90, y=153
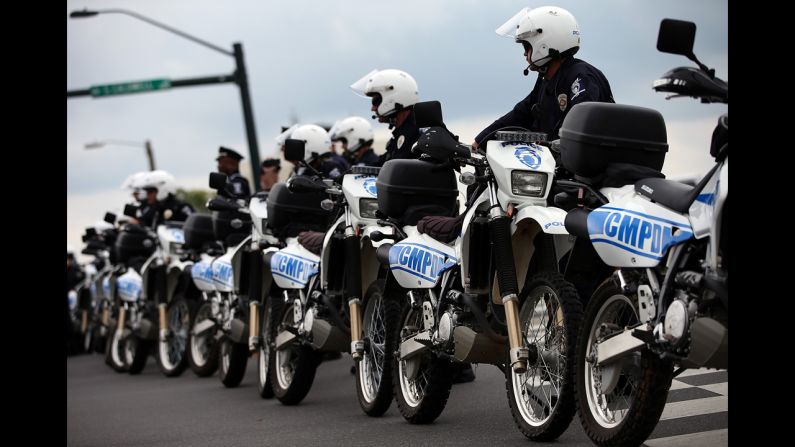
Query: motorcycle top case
x=198, y=230
x=223, y=229
x=595, y=134
x=133, y=242
x=290, y=213
x=409, y=190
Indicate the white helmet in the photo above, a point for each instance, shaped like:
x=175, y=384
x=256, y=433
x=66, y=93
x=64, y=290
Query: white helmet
x=133, y=183
x=550, y=31
x=162, y=181
x=355, y=130
x=315, y=137
x=396, y=89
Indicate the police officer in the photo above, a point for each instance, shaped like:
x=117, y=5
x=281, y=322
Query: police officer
x=229, y=164
x=317, y=152
x=161, y=203
x=393, y=94
x=550, y=37
x=355, y=134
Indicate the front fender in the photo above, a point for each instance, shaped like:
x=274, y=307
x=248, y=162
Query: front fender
x=550, y=219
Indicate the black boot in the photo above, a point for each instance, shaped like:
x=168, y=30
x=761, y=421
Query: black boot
x=463, y=373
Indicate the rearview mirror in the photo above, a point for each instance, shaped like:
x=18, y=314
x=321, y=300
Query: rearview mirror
x=130, y=210
x=294, y=150
x=676, y=37
x=428, y=114
x=217, y=181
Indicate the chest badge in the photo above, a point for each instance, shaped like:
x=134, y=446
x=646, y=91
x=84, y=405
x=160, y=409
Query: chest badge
x=563, y=101
x=401, y=139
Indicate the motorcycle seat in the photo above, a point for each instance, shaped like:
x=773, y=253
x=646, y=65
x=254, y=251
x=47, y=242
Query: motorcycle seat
x=312, y=241
x=442, y=228
x=674, y=195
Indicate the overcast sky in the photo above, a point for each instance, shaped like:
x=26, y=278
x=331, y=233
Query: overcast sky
x=302, y=56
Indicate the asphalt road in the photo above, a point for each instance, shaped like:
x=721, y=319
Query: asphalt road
x=105, y=408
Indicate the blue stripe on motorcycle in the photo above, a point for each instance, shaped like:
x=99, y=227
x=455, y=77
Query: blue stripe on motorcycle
x=656, y=258
x=427, y=278
x=646, y=216
x=303, y=283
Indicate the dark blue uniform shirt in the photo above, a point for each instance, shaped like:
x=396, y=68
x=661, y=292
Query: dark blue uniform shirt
x=576, y=81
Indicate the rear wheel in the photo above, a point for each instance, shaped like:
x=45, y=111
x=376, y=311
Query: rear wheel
x=233, y=361
x=620, y=402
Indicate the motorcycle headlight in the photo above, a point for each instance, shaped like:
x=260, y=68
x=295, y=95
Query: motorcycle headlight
x=368, y=207
x=528, y=183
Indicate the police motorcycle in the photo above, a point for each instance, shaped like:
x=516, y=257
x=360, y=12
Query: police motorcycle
x=445, y=267
x=92, y=301
x=321, y=276
x=227, y=249
x=665, y=309
x=155, y=293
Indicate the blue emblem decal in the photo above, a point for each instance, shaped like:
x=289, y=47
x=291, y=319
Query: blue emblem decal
x=369, y=186
x=529, y=156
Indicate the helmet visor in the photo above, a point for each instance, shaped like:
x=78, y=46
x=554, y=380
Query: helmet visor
x=508, y=29
x=360, y=87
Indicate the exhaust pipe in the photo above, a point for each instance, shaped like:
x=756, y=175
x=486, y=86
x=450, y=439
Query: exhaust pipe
x=710, y=345
x=326, y=337
x=472, y=347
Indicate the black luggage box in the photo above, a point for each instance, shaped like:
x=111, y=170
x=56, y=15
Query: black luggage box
x=595, y=134
x=198, y=230
x=290, y=213
x=410, y=189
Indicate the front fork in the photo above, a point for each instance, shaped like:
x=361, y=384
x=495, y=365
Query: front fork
x=120, y=322
x=353, y=285
x=500, y=229
x=255, y=294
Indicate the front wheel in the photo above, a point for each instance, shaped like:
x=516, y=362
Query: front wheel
x=114, y=350
x=293, y=367
x=542, y=399
x=621, y=402
x=381, y=330
x=422, y=383
x=172, y=353
x=202, y=348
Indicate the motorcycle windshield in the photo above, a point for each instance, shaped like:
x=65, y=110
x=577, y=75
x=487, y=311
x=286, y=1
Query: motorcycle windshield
x=360, y=87
x=508, y=29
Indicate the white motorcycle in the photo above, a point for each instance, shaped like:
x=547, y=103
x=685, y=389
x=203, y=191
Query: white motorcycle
x=666, y=306
x=318, y=273
x=455, y=310
x=228, y=250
